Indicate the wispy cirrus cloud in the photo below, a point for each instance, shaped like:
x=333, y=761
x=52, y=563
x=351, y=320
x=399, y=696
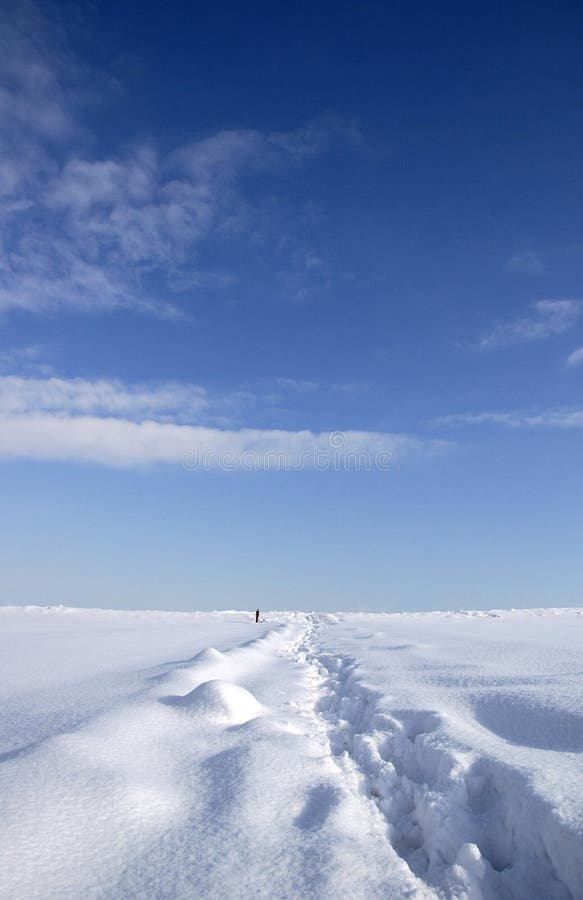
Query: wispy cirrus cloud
x=25, y=358
x=35, y=102
x=552, y=417
x=575, y=358
x=127, y=230
x=525, y=263
x=33, y=387
x=547, y=319
x=112, y=423
x=101, y=228
x=74, y=396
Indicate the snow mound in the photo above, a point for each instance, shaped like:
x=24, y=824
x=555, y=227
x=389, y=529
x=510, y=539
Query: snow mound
x=210, y=654
x=221, y=701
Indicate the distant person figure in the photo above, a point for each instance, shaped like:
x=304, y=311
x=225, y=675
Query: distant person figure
x=256, y=616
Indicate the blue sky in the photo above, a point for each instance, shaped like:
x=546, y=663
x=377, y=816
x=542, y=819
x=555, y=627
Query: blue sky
x=290, y=305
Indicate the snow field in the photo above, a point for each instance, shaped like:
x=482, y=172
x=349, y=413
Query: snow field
x=349, y=756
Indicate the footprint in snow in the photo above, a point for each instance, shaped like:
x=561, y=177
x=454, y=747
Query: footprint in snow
x=321, y=800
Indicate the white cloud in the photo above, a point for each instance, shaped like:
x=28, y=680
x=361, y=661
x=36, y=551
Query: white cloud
x=120, y=442
x=35, y=102
x=296, y=384
x=107, y=421
x=48, y=274
x=554, y=417
x=575, y=358
x=24, y=358
x=23, y=390
x=105, y=396
x=548, y=319
x=86, y=234
x=525, y=263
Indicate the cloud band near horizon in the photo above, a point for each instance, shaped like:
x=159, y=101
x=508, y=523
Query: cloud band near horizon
x=120, y=442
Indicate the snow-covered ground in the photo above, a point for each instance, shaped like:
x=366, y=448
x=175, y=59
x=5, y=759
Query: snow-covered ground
x=198, y=755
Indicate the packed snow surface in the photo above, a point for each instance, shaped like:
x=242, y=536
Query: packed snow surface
x=199, y=755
